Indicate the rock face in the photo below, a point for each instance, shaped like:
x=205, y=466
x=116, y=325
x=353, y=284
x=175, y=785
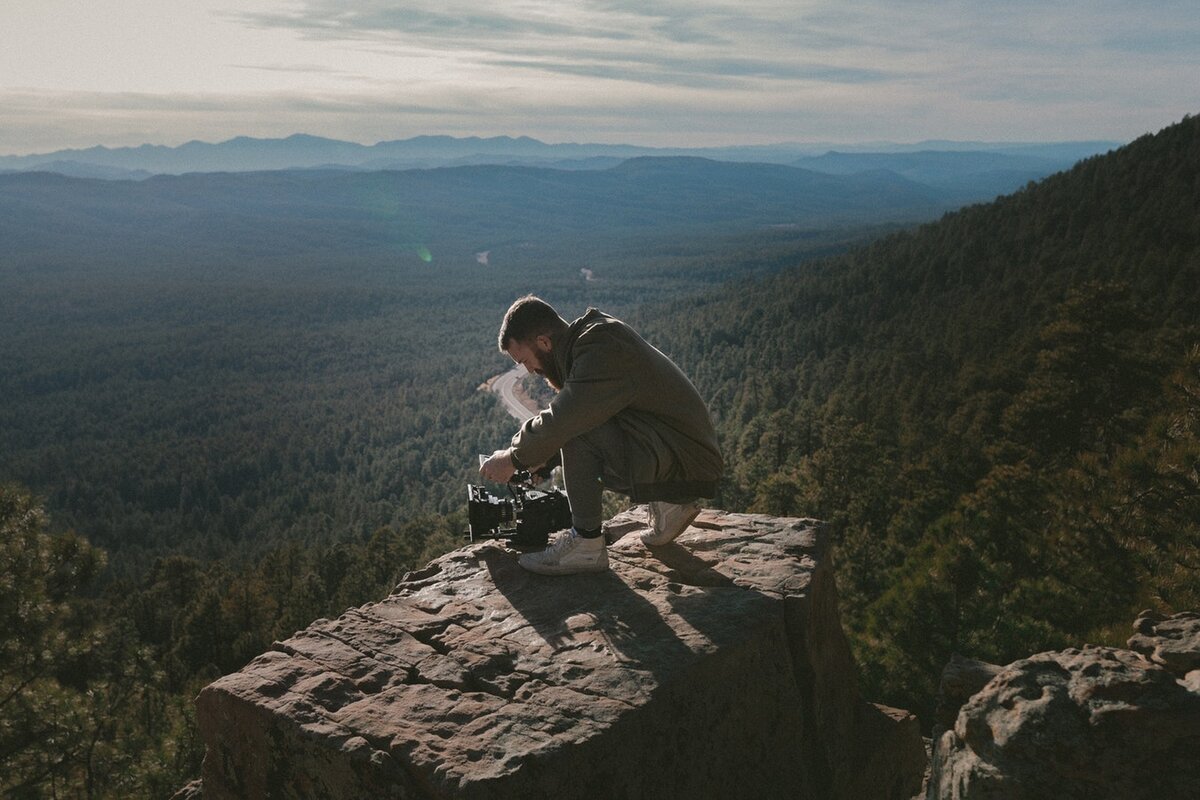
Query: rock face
x=1173, y=642
x=1095, y=723
x=712, y=667
x=961, y=680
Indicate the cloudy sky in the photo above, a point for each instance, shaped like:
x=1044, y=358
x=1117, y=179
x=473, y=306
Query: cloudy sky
x=656, y=72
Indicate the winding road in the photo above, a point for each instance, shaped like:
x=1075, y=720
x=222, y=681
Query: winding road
x=505, y=386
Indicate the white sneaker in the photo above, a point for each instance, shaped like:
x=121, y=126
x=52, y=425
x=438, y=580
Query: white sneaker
x=570, y=553
x=668, y=520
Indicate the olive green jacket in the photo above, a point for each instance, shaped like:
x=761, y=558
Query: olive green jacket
x=610, y=372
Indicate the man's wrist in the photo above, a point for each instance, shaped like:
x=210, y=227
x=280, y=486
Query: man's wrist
x=517, y=465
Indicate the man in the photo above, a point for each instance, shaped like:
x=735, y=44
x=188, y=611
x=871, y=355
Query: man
x=625, y=418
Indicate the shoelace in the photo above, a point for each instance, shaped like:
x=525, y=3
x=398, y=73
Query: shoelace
x=561, y=543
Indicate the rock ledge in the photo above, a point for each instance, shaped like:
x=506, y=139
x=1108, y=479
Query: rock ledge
x=712, y=667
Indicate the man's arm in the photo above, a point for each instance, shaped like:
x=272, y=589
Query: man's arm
x=599, y=386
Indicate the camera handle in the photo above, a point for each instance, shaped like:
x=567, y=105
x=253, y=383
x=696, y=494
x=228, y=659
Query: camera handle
x=519, y=482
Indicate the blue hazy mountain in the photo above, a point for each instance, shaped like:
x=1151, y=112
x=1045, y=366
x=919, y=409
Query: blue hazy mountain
x=244, y=154
x=306, y=152
x=77, y=169
x=964, y=174
x=463, y=209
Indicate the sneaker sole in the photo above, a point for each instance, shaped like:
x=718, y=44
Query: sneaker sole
x=576, y=569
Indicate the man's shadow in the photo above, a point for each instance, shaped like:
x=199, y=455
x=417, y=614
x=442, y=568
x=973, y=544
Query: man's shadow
x=636, y=630
x=558, y=609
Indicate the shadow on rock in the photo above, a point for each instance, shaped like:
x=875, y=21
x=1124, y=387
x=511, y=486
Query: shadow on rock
x=577, y=611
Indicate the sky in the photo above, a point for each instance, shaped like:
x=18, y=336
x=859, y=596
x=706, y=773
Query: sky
x=76, y=73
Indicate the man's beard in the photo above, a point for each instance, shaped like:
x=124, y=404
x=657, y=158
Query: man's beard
x=549, y=369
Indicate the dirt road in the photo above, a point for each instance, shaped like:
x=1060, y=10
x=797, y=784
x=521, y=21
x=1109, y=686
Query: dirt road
x=515, y=401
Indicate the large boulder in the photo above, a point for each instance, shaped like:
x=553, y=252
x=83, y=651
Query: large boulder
x=962, y=678
x=712, y=667
x=1092, y=724
x=1173, y=642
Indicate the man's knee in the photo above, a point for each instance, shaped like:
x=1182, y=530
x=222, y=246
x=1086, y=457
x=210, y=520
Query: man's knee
x=600, y=454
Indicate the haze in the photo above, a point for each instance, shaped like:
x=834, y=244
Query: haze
x=654, y=72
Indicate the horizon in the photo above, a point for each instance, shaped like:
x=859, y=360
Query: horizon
x=672, y=73
x=861, y=146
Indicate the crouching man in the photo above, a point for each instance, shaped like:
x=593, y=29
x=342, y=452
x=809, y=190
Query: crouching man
x=624, y=418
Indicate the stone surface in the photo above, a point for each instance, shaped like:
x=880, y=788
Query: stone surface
x=712, y=667
x=1095, y=723
x=1173, y=642
x=961, y=679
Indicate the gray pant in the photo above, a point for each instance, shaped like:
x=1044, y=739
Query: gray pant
x=592, y=462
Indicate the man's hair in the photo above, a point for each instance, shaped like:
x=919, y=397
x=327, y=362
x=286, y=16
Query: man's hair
x=528, y=318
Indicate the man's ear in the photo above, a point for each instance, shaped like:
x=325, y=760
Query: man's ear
x=543, y=342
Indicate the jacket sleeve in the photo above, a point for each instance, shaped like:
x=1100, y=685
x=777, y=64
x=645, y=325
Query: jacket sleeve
x=600, y=384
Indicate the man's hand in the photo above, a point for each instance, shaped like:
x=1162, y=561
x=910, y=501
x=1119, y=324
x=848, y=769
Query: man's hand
x=499, y=466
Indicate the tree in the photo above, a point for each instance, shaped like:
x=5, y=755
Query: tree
x=1149, y=496
x=49, y=639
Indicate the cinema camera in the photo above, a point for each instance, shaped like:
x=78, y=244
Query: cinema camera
x=524, y=519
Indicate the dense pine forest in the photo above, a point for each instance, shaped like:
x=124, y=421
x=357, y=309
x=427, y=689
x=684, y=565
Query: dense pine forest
x=998, y=413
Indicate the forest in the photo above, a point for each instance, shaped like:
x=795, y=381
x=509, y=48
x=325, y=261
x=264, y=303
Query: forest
x=997, y=412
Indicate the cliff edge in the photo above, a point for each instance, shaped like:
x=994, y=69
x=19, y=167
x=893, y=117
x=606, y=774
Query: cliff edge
x=712, y=667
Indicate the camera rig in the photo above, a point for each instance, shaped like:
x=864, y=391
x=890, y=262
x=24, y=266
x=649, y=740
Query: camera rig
x=524, y=519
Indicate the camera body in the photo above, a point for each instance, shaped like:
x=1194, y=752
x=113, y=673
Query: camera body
x=526, y=519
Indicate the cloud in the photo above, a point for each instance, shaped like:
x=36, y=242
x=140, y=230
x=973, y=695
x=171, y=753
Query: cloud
x=689, y=44
x=304, y=69
x=720, y=73
x=645, y=71
x=1159, y=43
x=745, y=52
x=453, y=23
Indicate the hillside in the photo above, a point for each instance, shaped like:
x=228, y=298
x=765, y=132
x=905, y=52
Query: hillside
x=968, y=175
x=998, y=410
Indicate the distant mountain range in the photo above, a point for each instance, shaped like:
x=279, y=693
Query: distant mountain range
x=965, y=175
x=465, y=209
x=943, y=164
